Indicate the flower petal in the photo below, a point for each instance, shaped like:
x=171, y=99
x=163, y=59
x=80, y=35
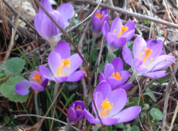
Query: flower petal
x=140, y=66
x=101, y=77
x=118, y=98
x=36, y=86
x=108, y=70
x=44, y=82
x=127, y=55
x=109, y=120
x=114, y=83
x=67, y=12
x=46, y=4
x=80, y=114
x=22, y=87
x=125, y=76
x=61, y=78
x=98, y=98
x=54, y=61
x=126, y=86
x=46, y=72
x=71, y=114
x=38, y=22
x=105, y=29
x=130, y=25
x=156, y=75
x=63, y=49
x=118, y=64
x=116, y=25
x=76, y=76
x=104, y=88
x=138, y=46
x=129, y=35
x=128, y=114
x=90, y=118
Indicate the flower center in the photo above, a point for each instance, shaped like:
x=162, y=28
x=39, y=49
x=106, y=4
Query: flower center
x=117, y=76
x=123, y=29
x=99, y=15
x=147, y=55
x=37, y=78
x=78, y=107
x=60, y=69
x=106, y=107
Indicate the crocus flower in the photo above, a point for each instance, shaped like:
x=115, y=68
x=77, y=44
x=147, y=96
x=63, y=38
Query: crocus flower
x=37, y=82
x=44, y=25
x=118, y=35
x=63, y=66
x=109, y=104
x=115, y=75
x=75, y=112
x=149, y=58
x=98, y=18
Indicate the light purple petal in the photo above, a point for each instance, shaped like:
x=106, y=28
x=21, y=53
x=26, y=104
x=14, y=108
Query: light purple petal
x=129, y=35
x=80, y=103
x=75, y=62
x=61, y=78
x=46, y=72
x=104, y=88
x=118, y=98
x=128, y=114
x=130, y=25
x=108, y=70
x=98, y=98
x=101, y=77
x=80, y=114
x=90, y=118
x=114, y=83
x=22, y=87
x=38, y=22
x=126, y=86
x=138, y=46
x=36, y=86
x=63, y=49
x=118, y=64
x=46, y=4
x=109, y=120
x=156, y=75
x=54, y=61
x=105, y=29
x=140, y=66
x=76, y=76
x=125, y=76
x=67, y=12
x=116, y=25
x=71, y=114
x=127, y=55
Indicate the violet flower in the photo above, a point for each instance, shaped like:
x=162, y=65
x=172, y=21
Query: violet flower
x=109, y=104
x=118, y=35
x=148, y=59
x=63, y=66
x=75, y=112
x=98, y=18
x=44, y=25
x=115, y=75
x=37, y=82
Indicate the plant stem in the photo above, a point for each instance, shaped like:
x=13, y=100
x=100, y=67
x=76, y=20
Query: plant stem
x=68, y=126
x=36, y=106
x=132, y=78
x=93, y=42
x=56, y=88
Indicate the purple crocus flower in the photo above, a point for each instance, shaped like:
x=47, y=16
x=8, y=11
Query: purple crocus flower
x=149, y=58
x=118, y=35
x=98, y=18
x=115, y=75
x=37, y=82
x=63, y=66
x=109, y=104
x=75, y=112
x=46, y=28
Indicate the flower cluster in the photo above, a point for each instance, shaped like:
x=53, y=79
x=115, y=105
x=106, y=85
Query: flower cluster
x=110, y=96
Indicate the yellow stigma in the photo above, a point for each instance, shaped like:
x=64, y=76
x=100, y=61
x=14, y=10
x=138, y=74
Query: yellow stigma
x=37, y=78
x=117, y=75
x=123, y=29
x=106, y=107
x=147, y=55
x=60, y=69
x=99, y=15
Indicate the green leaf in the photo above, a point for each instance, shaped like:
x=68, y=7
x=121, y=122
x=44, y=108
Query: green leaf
x=119, y=125
x=135, y=128
x=7, y=90
x=15, y=65
x=110, y=57
x=156, y=114
x=147, y=22
x=6, y=119
x=150, y=94
x=109, y=128
x=146, y=106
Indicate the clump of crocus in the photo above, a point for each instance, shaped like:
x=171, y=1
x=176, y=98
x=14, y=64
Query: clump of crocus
x=115, y=75
x=75, y=112
x=118, y=35
x=98, y=18
x=148, y=59
x=63, y=66
x=44, y=25
x=37, y=82
x=109, y=104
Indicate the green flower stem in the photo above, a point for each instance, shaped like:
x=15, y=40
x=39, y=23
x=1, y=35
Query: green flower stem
x=56, y=88
x=36, y=106
x=93, y=42
x=67, y=127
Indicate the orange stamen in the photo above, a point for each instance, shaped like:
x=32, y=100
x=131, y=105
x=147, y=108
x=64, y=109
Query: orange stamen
x=117, y=75
x=99, y=15
x=61, y=67
x=37, y=78
x=147, y=54
x=78, y=107
x=150, y=62
x=123, y=29
x=106, y=107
